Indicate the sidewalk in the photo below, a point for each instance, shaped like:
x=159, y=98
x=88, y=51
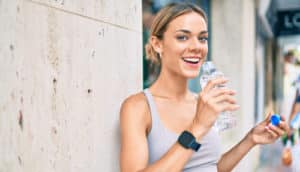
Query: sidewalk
x=270, y=159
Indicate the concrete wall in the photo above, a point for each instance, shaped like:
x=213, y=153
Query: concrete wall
x=233, y=51
x=65, y=67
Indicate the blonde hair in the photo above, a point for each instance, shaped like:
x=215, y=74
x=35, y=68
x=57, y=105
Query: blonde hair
x=162, y=20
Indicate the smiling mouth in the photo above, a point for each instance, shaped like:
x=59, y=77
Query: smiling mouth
x=191, y=60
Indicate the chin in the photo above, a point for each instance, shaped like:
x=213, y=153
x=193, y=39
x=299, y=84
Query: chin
x=191, y=75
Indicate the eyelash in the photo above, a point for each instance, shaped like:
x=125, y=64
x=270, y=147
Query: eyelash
x=204, y=39
x=184, y=38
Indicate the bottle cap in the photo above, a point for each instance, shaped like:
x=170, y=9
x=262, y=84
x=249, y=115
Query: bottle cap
x=275, y=119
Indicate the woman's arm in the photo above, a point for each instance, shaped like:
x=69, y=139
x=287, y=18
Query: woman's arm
x=295, y=110
x=263, y=133
x=231, y=158
x=134, y=120
x=295, y=107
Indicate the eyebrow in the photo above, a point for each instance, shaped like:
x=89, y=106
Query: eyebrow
x=187, y=31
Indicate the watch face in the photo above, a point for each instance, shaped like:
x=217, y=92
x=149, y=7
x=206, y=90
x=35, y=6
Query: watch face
x=186, y=139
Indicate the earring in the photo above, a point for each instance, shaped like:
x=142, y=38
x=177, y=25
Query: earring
x=160, y=55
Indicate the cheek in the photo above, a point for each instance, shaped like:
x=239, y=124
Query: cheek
x=204, y=49
x=172, y=55
x=176, y=50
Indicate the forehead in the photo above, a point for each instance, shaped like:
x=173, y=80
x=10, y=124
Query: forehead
x=190, y=21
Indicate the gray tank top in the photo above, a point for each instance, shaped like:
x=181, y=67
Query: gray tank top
x=160, y=140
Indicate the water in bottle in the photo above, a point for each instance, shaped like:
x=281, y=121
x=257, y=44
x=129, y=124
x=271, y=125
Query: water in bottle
x=226, y=120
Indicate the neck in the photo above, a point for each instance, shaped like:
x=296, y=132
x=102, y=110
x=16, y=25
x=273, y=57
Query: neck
x=170, y=85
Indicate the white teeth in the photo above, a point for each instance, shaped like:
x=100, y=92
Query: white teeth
x=194, y=60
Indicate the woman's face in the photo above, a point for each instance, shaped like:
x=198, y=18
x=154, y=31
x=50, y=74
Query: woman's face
x=184, y=45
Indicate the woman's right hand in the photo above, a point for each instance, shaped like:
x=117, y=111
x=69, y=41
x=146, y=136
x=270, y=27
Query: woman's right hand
x=211, y=102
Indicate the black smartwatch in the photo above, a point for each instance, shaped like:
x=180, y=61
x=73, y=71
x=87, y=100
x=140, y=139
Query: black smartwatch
x=188, y=141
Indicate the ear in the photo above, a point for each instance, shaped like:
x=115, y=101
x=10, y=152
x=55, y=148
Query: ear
x=156, y=44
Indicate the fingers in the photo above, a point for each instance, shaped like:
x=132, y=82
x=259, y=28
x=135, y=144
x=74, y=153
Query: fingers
x=278, y=130
x=214, y=83
x=268, y=117
x=219, y=92
x=281, y=128
x=282, y=118
x=228, y=107
x=219, y=99
x=283, y=125
x=225, y=98
x=272, y=133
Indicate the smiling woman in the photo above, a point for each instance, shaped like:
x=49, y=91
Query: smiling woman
x=151, y=70
x=182, y=42
x=168, y=128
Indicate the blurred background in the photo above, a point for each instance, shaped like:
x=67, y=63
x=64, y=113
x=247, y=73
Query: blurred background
x=66, y=66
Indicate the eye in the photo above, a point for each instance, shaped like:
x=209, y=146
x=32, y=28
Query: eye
x=203, y=39
x=182, y=37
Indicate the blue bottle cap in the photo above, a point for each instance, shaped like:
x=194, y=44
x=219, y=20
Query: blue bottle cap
x=275, y=119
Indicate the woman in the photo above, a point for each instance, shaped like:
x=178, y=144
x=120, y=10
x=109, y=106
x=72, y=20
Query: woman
x=167, y=128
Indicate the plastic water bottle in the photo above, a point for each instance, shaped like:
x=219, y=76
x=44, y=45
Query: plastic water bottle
x=226, y=120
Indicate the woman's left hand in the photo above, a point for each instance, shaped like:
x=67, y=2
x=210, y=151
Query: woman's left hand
x=265, y=132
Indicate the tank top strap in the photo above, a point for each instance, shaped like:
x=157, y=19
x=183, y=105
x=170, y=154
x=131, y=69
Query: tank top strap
x=152, y=106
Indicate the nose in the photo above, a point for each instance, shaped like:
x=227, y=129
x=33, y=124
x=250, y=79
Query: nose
x=195, y=44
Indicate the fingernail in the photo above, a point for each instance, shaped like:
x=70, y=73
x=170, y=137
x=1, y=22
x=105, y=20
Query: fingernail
x=271, y=125
x=267, y=127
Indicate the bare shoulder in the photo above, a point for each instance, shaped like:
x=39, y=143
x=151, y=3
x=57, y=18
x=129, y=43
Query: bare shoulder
x=135, y=109
x=135, y=103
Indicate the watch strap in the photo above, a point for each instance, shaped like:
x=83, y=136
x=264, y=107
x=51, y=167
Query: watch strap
x=188, y=141
x=195, y=146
